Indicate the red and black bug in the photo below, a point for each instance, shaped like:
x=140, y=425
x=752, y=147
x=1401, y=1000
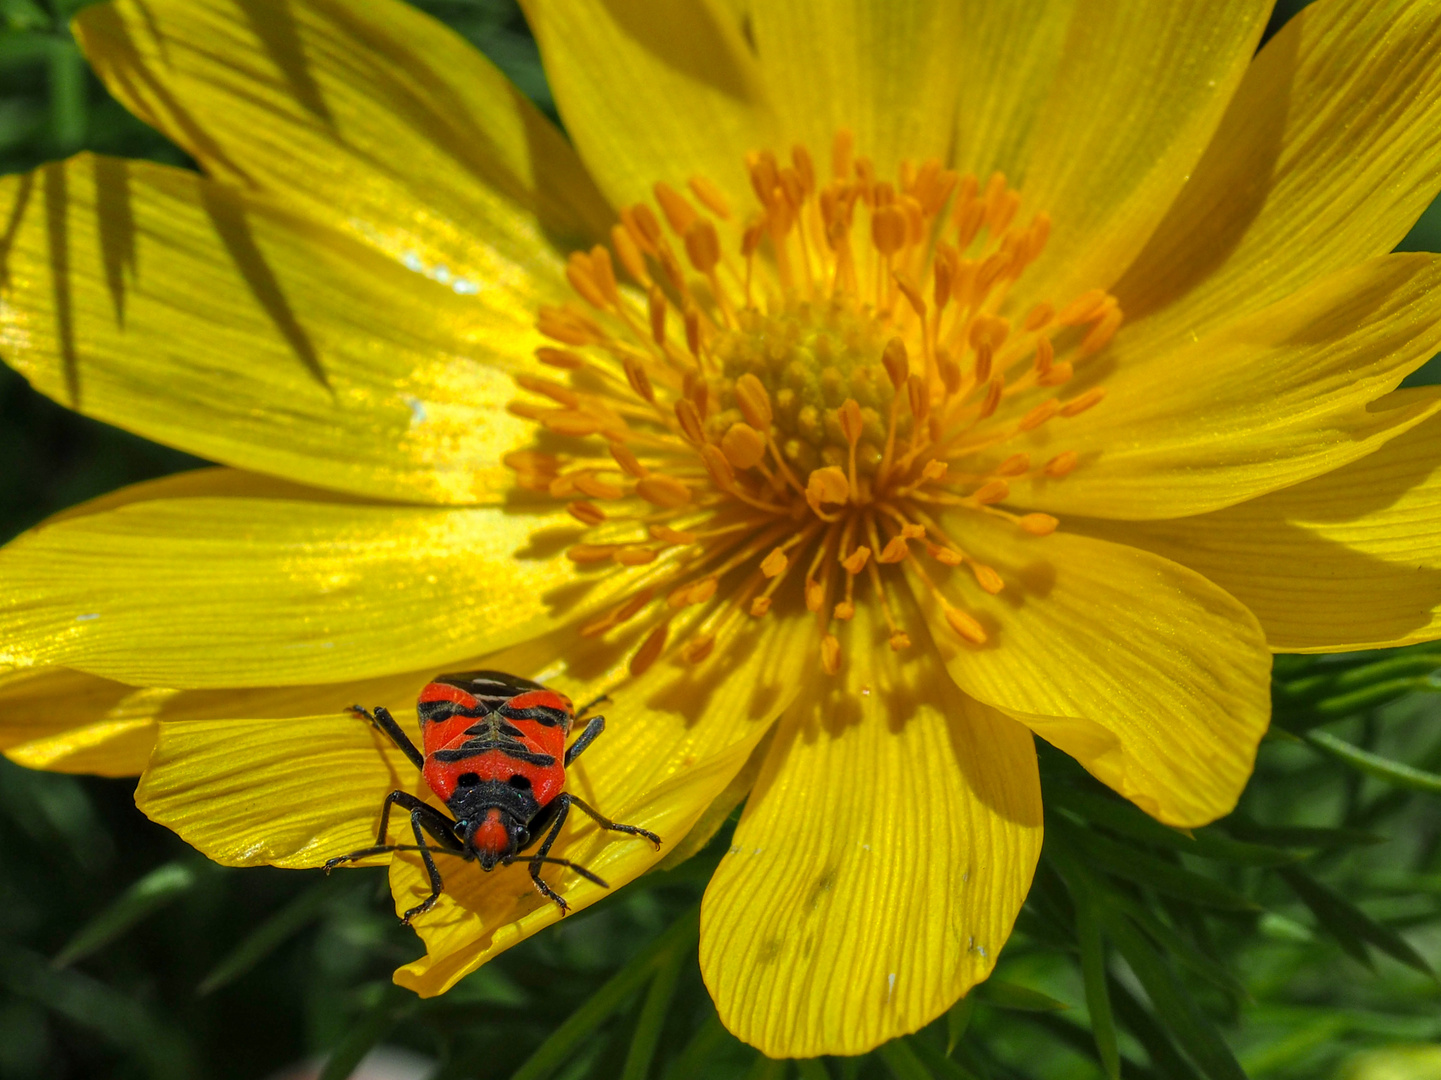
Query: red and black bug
x=495, y=754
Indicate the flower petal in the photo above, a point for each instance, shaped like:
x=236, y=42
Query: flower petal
x=661, y=91
x=169, y=305
x=676, y=737
x=1153, y=678
x=1279, y=397
x=373, y=118
x=1138, y=94
x=1349, y=560
x=234, y=580
x=1326, y=157
x=1009, y=55
x=881, y=860
x=251, y=792
x=886, y=72
x=67, y=721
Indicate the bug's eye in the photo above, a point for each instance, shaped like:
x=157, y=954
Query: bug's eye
x=520, y=783
x=522, y=837
x=468, y=779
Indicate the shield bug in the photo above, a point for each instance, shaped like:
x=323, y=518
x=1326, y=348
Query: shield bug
x=495, y=754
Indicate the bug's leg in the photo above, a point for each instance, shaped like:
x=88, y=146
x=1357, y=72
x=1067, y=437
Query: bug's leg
x=386, y=723
x=562, y=808
x=417, y=825
x=436, y=823
x=614, y=826
x=592, y=729
x=582, y=871
x=385, y=849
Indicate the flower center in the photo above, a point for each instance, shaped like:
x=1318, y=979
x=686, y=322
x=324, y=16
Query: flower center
x=785, y=419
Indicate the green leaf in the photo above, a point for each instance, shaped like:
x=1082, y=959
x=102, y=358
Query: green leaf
x=1008, y=995
x=1392, y=772
x=1093, y=974
x=958, y=1018
x=702, y=1048
x=937, y=1064
x=1167, y=1060
x=1349, y=925
x=558, y=1048
x=658, y=1000
x=1127, y=819
x=812, y=1069
x=1301, y=836
x=1173, y=1002
x=271, y=934
x=1133, y=865
x=146, y=896
x=902, y=1061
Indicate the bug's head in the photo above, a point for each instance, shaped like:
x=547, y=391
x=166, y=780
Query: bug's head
x=496, y=836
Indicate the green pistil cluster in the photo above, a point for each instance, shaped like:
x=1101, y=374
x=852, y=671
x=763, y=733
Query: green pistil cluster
x=811, y=358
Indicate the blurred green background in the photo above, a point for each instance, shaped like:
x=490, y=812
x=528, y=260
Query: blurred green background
x=1293, y=939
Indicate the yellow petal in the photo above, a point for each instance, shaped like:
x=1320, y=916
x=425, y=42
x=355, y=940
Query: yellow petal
x=674, y=739
x=1009, y=55
x=1149, y=675
x=881, y=860
x=1279, y=397
x=1350, y=560
x=153, y=299
x=250, y=792
x=1326, y=157
x=251, y=582
x=658, y=92
x=373, y=118
x=886, y=72
x=67, y=721
x=1138, y=94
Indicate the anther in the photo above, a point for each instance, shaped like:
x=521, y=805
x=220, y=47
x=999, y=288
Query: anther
x=634, y=555
x=754, y=402
x=690, y=422
x=627, y=460
x=629, y=255
x=1080, y=404
x=587, y=513
x=831, y=654
x=559, y=358
x=987, y=578
x=710, y=196
x=775, y=563
x=1039, y=415
x=1101, y=334
x=888, y=229
x=918, y=393
x=592, y=485
x=1061, y=464
x=1015, y=465
x=841, y=147
x=827, y=485
x=900, y=640
x=1038, y=524
x=678, y=213
x=702, y=244
x=638, y=379
x=855, y=562
x=896, y=362
x=743, y=446
x=966, y=625
x=663, y=491
x=992, y=491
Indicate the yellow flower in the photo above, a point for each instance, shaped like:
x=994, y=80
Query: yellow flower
x=831, y=455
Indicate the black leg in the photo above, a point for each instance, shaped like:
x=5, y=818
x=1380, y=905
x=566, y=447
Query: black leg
x=386, y=723
x=562, y=808
x=592, y=729
x=386, y=849
x=437, y=824
x=582, y=871
x=613, y=826
x=416, y=817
